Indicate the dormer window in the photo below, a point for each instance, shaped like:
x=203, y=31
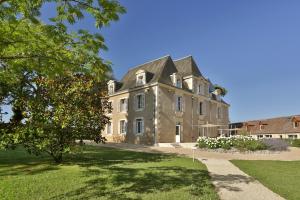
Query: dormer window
x=140, y=77
x=261, y=127
x=177, y=80
x=296, y=124
x=111, y=87
x=178, y=83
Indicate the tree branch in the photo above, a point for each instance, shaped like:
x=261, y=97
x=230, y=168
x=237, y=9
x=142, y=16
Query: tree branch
x=2, y=1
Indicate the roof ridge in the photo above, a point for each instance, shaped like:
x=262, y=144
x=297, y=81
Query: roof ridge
x=137, y=66
x=271, y=118
x=183, y=58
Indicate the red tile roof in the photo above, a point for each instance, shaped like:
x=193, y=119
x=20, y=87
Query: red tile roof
x=278, y=125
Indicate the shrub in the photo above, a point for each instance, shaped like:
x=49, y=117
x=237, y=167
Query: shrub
x=239, y=142
x=275, y=144
x=294, y=142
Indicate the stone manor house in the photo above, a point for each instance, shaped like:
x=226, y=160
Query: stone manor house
x=164, y=101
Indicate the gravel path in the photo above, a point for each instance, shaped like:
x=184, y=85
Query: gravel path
x=233, y=184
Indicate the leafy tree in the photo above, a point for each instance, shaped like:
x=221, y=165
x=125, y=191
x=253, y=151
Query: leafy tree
x=222, y=90
x=49, y=74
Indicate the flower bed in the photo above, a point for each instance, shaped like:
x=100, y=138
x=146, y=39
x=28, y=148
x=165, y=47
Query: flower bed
x=242, y=143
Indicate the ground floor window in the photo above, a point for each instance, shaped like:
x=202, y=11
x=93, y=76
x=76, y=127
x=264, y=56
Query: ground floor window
x=108, y=128
x=178, y=127
x=292, y=136
x=268, y=136
x=260, y=136
x=139, y=123
x=123, y=127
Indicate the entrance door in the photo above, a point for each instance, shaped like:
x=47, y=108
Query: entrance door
x=178, y=132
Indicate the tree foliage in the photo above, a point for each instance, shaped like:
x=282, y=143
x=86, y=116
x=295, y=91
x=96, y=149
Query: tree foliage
x=53, y=77
x=222, y=90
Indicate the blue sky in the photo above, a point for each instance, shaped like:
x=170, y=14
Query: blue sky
x=250, y=47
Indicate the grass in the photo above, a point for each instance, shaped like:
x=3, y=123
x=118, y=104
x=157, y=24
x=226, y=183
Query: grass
x=282, y=177
x=103, y=173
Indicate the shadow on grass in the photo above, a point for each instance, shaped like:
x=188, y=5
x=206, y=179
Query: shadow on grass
x=141, y=181
x=229, y=181
x=109, y=173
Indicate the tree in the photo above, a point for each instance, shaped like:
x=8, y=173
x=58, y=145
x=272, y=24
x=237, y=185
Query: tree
x=37, y=59
x=222, y=90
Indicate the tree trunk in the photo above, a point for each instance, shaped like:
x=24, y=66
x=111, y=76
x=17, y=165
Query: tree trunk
x=57, y=158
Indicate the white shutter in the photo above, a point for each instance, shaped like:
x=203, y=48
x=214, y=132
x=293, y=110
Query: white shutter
x=142, y=124
x=143, y=101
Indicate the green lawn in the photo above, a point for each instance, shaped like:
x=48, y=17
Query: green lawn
x=103, y=173
x=282, y=177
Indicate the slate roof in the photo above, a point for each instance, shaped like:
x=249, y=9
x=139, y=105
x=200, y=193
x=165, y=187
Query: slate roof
x=187, y=66
x=277, y=125
x=160, y=70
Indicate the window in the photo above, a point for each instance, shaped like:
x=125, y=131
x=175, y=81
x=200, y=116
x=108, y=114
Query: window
x=200, y=108
x=123, y=105
x=123, y=127
x=140, y=101
x=179, y=104
x=296, y=124
x=111, y=88
x=268, y=136
x=110, y=106
x=108, y=128
x=199, y=89
x=140, y=80
x=139, y=123
x=261, y=127
x=178, y=83
x=260, y=136
x=178, y=127
x=292, y=136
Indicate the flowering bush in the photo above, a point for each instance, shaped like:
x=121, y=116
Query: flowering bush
x=238, y=142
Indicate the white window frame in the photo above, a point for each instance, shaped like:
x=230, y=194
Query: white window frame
x=136, y=102
x=125, y=103
x=111, y=128
x=199, y=89
x=136, y=126
x=142, y=81
x=200, y=108
x=292, y=136
x=112, y=107
x=177, y=105
x=111, y=88
x=178, y=82
x=261, y=127
x=125, y=128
